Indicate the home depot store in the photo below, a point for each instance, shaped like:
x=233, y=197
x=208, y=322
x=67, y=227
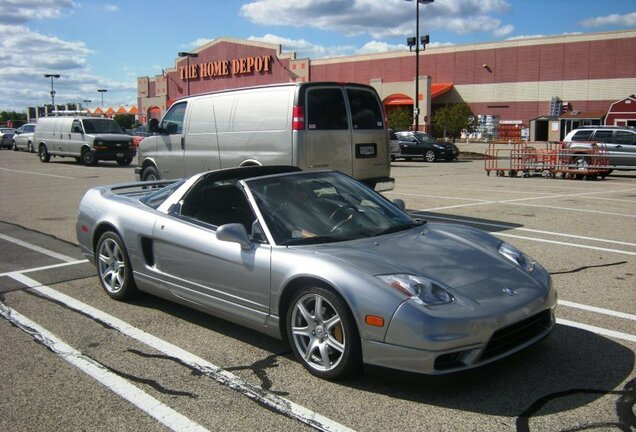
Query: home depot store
x=512, y=82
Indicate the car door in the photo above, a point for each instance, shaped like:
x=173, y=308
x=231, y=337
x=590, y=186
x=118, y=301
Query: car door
x=170, y=145
x=625, y=148
x=606, y=137
x=216, y=274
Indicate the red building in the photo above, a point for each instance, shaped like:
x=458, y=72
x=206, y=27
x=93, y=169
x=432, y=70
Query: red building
x=506, y=83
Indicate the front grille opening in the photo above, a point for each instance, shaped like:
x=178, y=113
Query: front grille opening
x=449, y=361
x=510, y=337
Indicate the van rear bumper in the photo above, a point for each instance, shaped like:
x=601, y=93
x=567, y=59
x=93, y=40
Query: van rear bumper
x=380, y=184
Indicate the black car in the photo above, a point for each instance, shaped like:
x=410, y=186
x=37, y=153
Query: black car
x=421, y=144
x=6, y=137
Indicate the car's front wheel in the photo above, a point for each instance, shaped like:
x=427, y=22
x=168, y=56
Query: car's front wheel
x=30, y=148
x=14, y=146
x=88, y=157
x=43, y=153
x=323, y=334
x=113, y=267
x=429, y=156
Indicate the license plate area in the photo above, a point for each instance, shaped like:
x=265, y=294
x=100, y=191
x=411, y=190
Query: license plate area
x=366, y=150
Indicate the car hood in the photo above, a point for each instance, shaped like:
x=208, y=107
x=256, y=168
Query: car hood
x=454, y=255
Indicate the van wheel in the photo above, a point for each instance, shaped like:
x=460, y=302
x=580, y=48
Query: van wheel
x=125, y=161
x=88, y=157
x=44, y=154
x=150, y=174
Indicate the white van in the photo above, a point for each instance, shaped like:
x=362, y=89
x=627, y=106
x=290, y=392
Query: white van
x=309, y=125
x=87, y=139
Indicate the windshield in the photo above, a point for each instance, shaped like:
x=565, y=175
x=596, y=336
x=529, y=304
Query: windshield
x=157, y=197
x=102, y=126
x=311, y=208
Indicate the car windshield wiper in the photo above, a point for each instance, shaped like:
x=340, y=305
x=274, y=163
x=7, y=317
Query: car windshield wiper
x=311, y=240
x=399, y=227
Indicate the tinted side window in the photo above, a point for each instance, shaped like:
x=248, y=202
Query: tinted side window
x=604, y=135
x=582, y=135
x=326, y=109
x=623, y=137
x=173, y=120
x=366, y=112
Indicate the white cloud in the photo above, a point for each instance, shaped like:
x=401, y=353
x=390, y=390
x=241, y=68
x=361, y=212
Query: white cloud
x=21, y=11
x=614, y=20
x=380, y=18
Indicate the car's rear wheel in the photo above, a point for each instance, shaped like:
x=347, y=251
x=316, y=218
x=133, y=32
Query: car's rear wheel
x=429, y=156
x=14, y=146
x=150, y=174
x=30, y=148
x=323, y=334
x=43, y=153
x=113, y=267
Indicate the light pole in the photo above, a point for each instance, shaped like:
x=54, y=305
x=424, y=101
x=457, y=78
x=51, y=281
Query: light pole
x=416, y=41
x=52, y=90
x=102, y=91
x=187, y=55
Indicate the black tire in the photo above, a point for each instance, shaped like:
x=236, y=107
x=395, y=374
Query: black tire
x=430, y=156
x=150, y=173
x=43, y=153
x=88, y=158
x=14, y=146
x=125, y=161
x=30, y=147
x=113, y=267
x=327, y=343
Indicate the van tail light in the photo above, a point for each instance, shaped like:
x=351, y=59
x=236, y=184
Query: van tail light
x=298, y=120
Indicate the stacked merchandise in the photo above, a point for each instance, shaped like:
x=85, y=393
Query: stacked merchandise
x=487, y=127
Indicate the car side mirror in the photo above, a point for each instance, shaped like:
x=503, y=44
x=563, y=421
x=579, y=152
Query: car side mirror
x=399, y=204
x=234, y=233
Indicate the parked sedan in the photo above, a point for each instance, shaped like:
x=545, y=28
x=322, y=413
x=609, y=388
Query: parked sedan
x=421, y=144
x=319, y=259
x=23, y=138
x=6, y=137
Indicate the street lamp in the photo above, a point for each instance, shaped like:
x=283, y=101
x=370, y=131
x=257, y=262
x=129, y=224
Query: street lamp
x=102, y=91
x=52, y=90
x=187, y=55
x=416, y=42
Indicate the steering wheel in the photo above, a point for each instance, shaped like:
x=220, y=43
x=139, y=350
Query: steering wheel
x=345, y=212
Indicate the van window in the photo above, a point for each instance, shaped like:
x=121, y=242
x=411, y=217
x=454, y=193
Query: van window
x=365, y=110
x=173, y=120
x=624, y=137
x=604, y=135
x=582, y=135
x=76, y=127
x=326, y=109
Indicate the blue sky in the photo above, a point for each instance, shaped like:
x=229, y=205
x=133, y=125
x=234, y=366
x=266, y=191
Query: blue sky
x=108, y=44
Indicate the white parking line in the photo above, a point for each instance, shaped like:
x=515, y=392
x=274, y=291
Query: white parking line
x=37, y=248
x=142, y=400
x=580, y=210
x=39, y=173
x=598, y=330
x=598, y=310
x=271, y=400
x=49, y=267
x=576, y=245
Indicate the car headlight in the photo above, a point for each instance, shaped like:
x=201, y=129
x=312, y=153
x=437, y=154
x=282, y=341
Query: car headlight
x=418, y=288
x=516, y=256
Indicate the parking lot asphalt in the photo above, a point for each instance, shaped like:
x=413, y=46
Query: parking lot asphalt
x=73, y=359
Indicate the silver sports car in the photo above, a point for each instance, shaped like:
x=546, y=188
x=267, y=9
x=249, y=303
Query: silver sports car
x=321, y=260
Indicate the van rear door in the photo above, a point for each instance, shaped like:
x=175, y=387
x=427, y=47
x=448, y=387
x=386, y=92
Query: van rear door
x=326, y=137
x=369, y=138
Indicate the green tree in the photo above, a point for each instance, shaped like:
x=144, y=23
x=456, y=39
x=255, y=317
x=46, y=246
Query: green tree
x=453, y=119
x=400, y=119
x=125, y=120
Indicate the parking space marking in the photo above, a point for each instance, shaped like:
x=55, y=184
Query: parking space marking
x=262, y=396
x=569, y=209
x=618, y=251
x=37, y=248
x=49, y=267
x=598, y=310
x=598, y=330
x=39, y=173
x=118, y=385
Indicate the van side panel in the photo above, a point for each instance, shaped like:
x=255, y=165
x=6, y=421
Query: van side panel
x=201, y=144
x=255, y=127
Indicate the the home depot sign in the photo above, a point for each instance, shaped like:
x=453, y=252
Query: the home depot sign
x=220, y=68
